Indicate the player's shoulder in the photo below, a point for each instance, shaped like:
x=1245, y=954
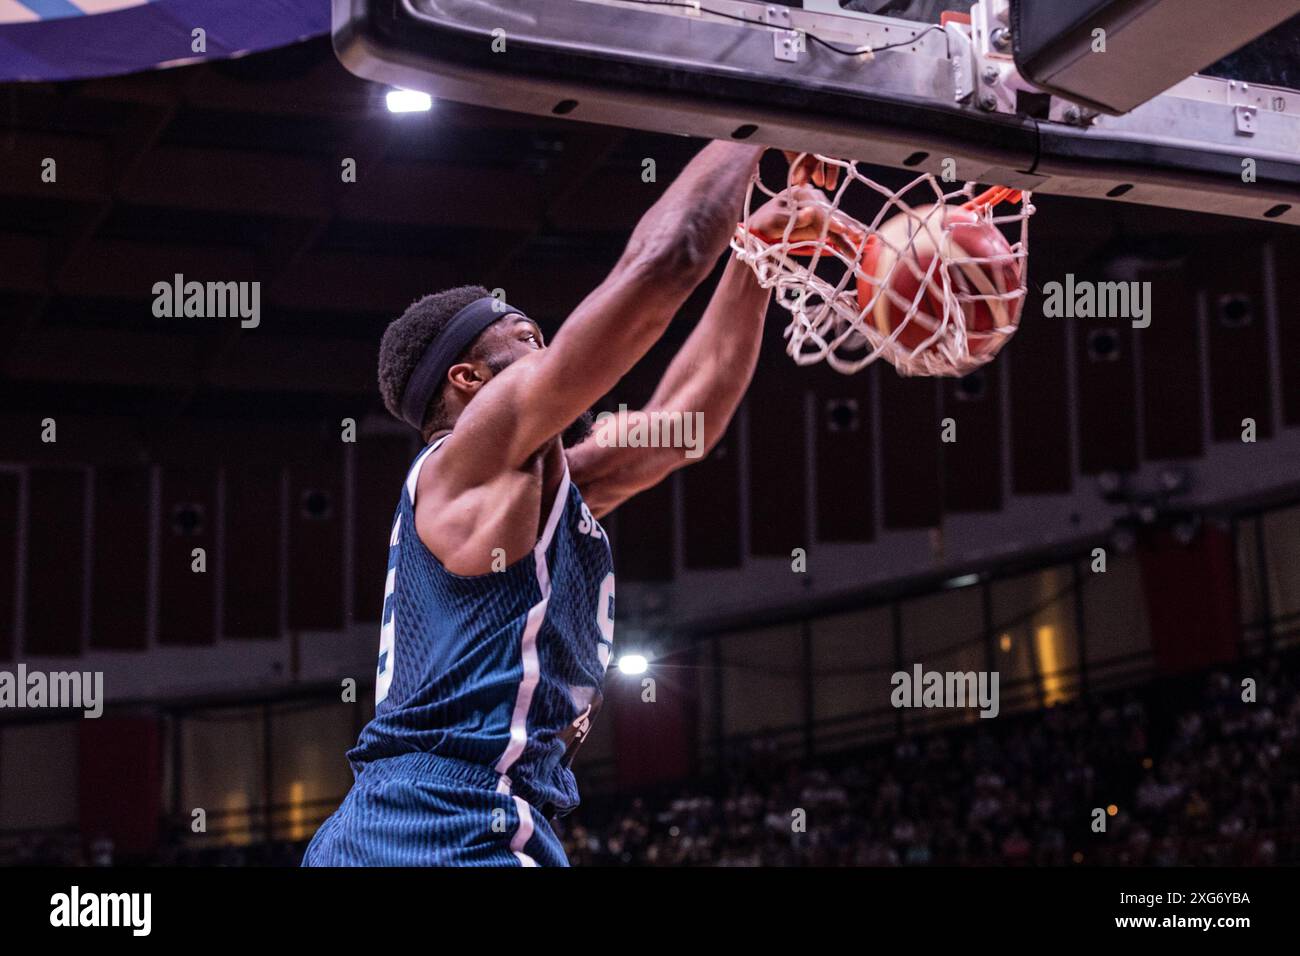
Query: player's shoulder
x=420, y=478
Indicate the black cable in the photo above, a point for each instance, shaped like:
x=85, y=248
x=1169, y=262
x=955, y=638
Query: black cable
x=826, y=43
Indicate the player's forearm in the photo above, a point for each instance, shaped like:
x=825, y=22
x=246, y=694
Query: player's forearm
x=703, y=384
x=714, y=367
x=692, y=222
x=672, y=250
x=613, y=328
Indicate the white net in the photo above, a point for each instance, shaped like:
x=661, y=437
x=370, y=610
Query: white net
x=931, y=283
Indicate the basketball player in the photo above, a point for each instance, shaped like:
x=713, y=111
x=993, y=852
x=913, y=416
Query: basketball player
x=498, y=615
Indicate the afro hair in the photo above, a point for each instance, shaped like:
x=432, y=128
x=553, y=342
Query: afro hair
x=406, y=339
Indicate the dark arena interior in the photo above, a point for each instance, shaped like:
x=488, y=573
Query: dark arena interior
x=1097, y=532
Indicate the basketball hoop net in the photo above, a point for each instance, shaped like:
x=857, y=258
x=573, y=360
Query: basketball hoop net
x=931, y=284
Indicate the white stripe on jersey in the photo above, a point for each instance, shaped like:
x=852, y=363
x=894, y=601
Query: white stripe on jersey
x=528, y=641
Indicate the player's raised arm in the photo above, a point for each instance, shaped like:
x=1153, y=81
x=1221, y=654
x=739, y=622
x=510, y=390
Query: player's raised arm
x=671, y=251
x=697, y=396
x=707, y=378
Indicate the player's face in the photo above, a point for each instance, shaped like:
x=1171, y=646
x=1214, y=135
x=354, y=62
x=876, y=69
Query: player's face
x=509, y=338
x=514, y=337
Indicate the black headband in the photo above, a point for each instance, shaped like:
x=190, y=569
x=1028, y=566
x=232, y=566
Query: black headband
x=442, y=352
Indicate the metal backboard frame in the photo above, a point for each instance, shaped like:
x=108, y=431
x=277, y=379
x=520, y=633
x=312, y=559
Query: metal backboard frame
x=734, y=69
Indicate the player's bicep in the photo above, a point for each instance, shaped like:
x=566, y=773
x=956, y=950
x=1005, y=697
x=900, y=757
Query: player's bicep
x=604, y=337
x=536, y=397
x=609, y=331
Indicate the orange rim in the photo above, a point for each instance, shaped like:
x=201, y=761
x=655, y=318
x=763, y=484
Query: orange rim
x=993, y=196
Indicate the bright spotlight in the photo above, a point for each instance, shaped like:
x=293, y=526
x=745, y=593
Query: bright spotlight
x=633, y=664
x=408, y=101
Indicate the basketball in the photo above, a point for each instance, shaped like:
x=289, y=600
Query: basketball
x=981, y=268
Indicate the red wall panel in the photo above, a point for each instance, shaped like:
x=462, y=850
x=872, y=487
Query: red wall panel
x=1241, y=377
x=1192, y=601
x=252, y=549
x=186, y=599
x=843, y=436
x=777, y=458
x=119, y=603
x=1040, y=425
x=120, y=782
x=9, y=483
x=381, y=465
x=641, y=533
x=909, y=447
x=1171, y=368
x=653, y=740
x=1288, y=306
x=972, y=465
x=316, y=542
x=1107, y=401
x=711, y=506
x=56, y=548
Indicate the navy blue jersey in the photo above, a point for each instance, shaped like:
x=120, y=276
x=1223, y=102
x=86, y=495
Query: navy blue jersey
x=501, y=670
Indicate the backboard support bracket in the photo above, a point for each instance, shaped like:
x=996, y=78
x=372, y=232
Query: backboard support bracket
x=924, y=94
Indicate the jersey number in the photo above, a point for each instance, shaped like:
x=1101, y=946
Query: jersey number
x=388, y=626
x=605, y=618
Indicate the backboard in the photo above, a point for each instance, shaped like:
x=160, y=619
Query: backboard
x=877, y=89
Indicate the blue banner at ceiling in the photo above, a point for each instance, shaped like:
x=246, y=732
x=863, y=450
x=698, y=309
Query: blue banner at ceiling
x=48, y=40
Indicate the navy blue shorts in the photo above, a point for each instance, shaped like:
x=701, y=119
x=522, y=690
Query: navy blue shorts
x=421, y=810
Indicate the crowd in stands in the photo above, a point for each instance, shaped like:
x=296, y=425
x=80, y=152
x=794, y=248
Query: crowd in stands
x=1185, y=773
x=1211, y=779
